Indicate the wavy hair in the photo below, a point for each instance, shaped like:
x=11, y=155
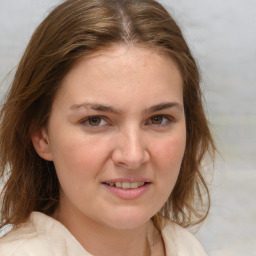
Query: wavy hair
x=72, y=30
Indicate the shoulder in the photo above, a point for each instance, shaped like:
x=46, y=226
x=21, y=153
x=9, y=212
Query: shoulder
x=40, y=235
x=179, y=241
x=23, y=240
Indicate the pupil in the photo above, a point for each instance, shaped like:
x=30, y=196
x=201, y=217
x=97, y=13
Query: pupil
x=157, y=120
x=94, y=121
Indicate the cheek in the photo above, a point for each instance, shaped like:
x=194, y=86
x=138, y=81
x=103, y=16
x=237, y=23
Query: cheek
x=168, y=159
x=79, y=156
x=78, y=165
x=171, y=151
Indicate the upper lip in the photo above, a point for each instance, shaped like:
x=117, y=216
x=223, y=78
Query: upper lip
x=130, y=179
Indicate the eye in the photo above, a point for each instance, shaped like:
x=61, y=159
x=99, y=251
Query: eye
x=156, y=119
x=160, y=120
x=94, y=121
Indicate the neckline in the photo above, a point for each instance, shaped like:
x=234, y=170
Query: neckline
x=57, y=228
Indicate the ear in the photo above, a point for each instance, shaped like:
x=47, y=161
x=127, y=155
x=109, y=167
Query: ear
x=41, y=144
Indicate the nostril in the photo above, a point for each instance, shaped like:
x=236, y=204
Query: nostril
x=130, y=152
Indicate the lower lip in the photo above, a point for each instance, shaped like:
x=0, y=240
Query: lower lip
x=128, y=194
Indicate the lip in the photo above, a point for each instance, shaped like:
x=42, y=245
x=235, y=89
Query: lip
x=127, y=194
x=130, y=193
x=128, y=179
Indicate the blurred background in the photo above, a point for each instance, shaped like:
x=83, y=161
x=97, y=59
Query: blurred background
x=222, y=36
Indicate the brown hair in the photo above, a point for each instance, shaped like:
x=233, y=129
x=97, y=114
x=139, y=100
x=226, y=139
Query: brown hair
x=72, y=30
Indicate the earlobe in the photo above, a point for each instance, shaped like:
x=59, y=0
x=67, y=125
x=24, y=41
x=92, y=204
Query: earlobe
x=41, y=144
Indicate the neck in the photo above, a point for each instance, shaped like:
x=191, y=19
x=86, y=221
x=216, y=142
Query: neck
x=99, y=239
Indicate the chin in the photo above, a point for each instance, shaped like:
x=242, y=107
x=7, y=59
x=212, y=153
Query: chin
x=129, y=219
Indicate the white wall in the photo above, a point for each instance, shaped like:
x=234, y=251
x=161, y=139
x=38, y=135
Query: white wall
x=222, y=35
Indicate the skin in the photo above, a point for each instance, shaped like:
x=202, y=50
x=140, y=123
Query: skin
x=139, y=134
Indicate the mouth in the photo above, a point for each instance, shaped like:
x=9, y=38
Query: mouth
x=127, y=189
x=126, y=185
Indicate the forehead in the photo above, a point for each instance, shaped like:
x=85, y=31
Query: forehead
x=122, y=71
x=124, y=58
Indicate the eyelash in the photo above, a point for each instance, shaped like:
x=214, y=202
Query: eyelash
x=87, y=120
x=168, y=121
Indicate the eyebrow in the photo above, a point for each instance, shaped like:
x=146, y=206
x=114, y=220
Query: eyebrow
x=97, y=107
x=110, y=109
x=163, y=106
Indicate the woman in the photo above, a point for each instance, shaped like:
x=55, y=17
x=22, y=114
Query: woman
x=103, y=135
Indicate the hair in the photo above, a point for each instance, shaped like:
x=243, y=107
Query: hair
x=74, y=29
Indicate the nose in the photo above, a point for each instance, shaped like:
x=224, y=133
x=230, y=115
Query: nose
x=130, y=151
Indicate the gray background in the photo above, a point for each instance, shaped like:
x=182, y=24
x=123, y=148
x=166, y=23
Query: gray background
x=222, y=36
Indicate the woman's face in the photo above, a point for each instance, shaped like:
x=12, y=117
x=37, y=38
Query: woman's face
x=117, y=135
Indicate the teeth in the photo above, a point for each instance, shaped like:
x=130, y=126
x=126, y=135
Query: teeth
x=118, y=184
x=126, y=185
x=134, y=185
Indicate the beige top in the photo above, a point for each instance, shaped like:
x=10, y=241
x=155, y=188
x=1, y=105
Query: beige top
x=43, y=235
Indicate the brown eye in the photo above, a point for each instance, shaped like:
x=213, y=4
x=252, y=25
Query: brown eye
x=157, y=119
x=94, y=121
